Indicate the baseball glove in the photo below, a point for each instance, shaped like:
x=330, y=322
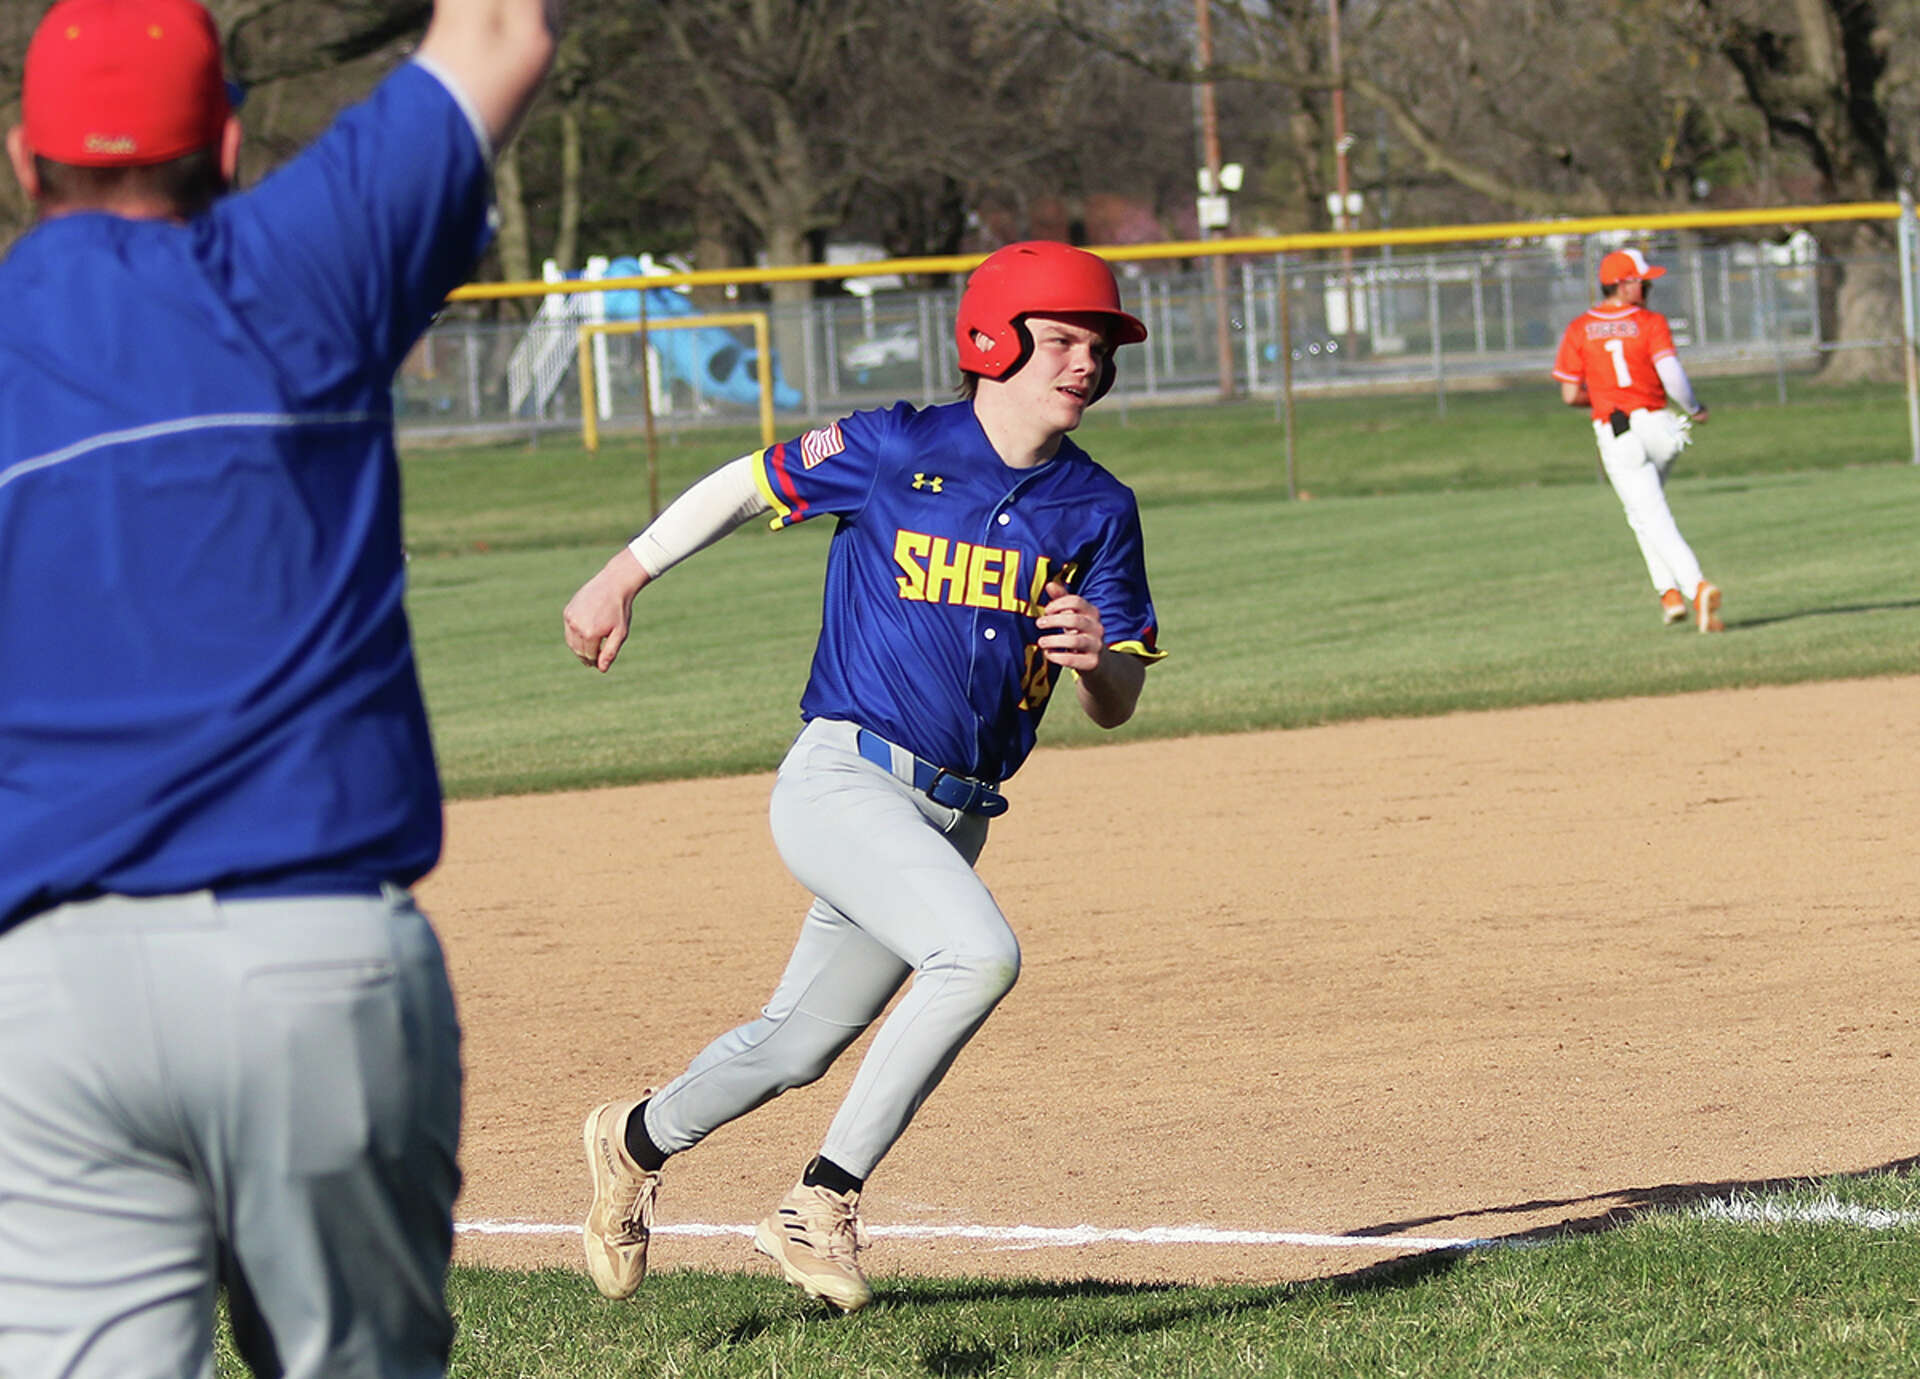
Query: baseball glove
x=1663, y=434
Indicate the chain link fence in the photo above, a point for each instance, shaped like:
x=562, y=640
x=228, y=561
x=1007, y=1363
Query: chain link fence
x=1407, y=321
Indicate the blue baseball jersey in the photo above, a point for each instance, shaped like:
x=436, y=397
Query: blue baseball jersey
x=206, y=675
x=937, y=569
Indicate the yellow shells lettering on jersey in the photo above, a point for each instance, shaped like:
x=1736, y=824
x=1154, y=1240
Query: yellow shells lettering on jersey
x=936, y=570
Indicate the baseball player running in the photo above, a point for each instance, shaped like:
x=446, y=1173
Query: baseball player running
x=1618, y=360
x=228, y=1050
x=977, y=553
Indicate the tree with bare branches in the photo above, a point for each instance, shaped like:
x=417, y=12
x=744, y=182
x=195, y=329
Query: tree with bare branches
x=1558, y=107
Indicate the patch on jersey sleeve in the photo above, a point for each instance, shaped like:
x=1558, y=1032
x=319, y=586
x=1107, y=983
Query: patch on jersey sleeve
x=822, y=444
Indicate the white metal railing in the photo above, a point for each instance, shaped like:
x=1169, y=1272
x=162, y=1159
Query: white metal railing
x=539, y=363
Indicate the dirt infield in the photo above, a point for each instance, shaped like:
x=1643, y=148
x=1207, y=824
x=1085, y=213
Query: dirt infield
x=1462, y=977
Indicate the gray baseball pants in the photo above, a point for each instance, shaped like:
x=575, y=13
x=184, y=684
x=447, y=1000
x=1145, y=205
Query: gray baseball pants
x=895, y=895
x=260, y=1092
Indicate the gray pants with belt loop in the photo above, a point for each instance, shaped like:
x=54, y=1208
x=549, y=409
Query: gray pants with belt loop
x=264, y=1092
x=895, y=895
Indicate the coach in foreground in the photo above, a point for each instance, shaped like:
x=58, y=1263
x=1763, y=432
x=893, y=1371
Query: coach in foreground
x=228, y=1050
x=977, y=553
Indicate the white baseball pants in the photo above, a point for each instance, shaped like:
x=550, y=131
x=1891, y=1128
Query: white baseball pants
x=1641, y=487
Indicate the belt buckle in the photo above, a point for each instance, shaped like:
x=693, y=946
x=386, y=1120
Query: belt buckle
x=941, y=773
x=976, y=797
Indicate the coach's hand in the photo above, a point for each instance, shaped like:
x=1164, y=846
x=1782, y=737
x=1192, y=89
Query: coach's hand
x=600, y=613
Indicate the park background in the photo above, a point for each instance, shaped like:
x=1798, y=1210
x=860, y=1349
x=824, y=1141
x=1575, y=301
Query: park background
x=1439, y=894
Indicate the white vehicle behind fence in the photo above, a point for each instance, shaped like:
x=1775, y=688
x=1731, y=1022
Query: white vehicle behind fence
x=895, y=344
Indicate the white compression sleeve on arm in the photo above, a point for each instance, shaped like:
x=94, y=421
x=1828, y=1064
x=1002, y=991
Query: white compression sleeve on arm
x=1678, y=386
x=699, y=517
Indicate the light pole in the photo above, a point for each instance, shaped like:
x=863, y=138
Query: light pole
x=1346, y=207
x=1212, y=203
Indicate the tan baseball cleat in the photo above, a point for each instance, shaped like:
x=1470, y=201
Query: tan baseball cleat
x=1706, y=607
x=1673, y=607
x=621, y=1217
x=815, y=1236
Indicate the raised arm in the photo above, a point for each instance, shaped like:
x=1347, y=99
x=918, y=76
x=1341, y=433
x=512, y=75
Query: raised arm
x=495, y=52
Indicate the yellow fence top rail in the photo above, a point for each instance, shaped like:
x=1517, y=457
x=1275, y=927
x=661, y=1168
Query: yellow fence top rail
x=1190, y=249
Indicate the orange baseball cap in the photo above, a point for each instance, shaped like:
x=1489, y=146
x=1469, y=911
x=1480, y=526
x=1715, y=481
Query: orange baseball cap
x=1622, y=264
x=123, y=82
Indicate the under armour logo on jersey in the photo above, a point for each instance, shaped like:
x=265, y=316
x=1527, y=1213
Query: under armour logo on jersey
x=930, y=482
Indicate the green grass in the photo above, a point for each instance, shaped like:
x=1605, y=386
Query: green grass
x=1468, y=563
x=554, y=494
x=1670, y=1293
x=1506, y=437
x=1475, y=565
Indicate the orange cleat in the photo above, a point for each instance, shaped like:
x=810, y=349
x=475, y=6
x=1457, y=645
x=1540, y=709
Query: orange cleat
x=1706, y=607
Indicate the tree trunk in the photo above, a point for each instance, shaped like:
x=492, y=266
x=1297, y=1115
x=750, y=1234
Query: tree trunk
x=1859, y=302
x=515, y=241
x=787, y=245
x=712, y=248
x=566, y=241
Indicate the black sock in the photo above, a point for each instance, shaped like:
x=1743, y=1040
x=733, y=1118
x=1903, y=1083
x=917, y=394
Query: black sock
x=639, y=1144
x=829, y=1175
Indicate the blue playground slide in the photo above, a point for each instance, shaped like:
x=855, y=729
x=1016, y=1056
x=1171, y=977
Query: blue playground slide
x=711, y=360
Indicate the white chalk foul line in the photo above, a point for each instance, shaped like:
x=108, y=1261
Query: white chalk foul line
x=1043, y=1237
x=1742, y=1210
x=1821, y=1211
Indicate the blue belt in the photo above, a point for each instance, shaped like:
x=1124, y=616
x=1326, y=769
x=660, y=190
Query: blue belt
x=936, y=782
x=282, y=885
x=293, y=884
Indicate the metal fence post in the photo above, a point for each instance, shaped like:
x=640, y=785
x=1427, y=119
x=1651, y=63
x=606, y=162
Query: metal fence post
x=811, y=314
x=473, y=374
x=1697, y=283
x=1250, y=316
x=1727, y=294
x=1906, y=241
x=1769, y=306
x=1283, y=397
x=1156, y=332
x=1479, y=311
x=929, y=351
x=1506, y=301
x=1433, y=329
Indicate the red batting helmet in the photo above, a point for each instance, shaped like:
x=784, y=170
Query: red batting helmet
x=1035, y=278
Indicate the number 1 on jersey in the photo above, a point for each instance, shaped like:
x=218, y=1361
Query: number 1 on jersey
x=1618, y=349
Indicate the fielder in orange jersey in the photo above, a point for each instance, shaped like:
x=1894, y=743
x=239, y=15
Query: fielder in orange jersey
x=1618, y=360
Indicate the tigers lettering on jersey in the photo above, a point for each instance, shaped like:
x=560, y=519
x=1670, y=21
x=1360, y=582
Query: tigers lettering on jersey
x=1614, y=351
x=936, y=570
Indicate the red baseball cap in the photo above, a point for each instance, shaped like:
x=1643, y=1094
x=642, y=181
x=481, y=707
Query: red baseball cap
x=1622, y=264
x=123, y=82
